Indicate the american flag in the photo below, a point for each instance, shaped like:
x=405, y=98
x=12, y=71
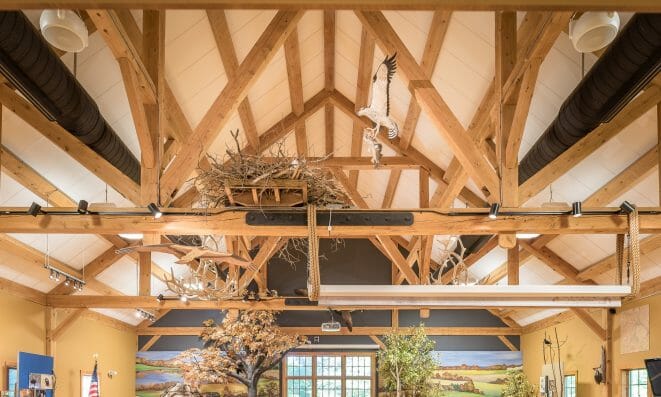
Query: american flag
x=94, y=383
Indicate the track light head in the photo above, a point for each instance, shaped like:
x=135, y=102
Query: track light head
x=627, y=207
x=160, y=297
x=153, y=208
x=183, y=298
x=82, y=207
x=34, y=209
x=576, y=210
x=493, y=211
x=67, y=282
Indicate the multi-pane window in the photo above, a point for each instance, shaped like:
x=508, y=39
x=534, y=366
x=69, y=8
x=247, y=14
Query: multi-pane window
x=329, y=375
x=570, y=386
x=637, y=383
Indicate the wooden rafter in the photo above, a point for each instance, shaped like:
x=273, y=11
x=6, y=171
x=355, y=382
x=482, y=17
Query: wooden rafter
x=295, y=82
x=329, y=79
x=223, y=37
x=594, y=140
x=274, y=134
x=437, y=173
x=386, y=242
x=234, y=91
x=35, y=259
x=71, y=145
x=535, y=36
x=433, y=45
x=363, y=81
x=150, y=343
x=611, y=190
x=507, y=343
x=429, y=99
x=591, y=272
x=20, y=290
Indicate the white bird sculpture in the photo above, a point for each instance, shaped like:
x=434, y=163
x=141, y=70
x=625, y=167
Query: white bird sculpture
x=379, y=109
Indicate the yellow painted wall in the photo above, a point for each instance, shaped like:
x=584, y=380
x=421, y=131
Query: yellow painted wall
x=23, y=329
x=74, y=352
x=582, y=349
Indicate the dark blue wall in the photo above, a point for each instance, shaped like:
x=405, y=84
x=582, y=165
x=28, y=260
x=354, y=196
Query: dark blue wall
x=357, y=261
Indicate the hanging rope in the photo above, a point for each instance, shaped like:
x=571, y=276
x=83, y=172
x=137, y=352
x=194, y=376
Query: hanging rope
x=630, y=266
x=313, y=254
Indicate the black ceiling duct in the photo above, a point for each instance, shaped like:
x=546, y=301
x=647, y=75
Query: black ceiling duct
x=625, y=68
x=28, y=62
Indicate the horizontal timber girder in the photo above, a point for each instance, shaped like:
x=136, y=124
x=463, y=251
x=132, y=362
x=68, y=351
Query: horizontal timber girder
x=233, y=221
x=491, y=5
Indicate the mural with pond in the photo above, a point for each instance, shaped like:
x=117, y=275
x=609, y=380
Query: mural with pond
x=471, y=373
x=156, y=372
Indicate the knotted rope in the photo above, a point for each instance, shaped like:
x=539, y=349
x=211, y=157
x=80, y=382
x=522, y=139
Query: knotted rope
x=632, y=263
x=313, y=254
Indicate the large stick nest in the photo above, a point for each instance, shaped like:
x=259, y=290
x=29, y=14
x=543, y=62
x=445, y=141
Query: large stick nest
x=264, y=171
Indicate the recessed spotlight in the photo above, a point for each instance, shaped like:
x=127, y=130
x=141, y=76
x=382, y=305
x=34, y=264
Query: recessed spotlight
x=82, y=207
x=627, y=207
x=493, y=211
x=576, y=210
x=34, y=209
x=153, y=208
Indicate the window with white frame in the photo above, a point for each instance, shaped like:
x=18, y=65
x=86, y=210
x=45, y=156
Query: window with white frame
x=329, y=375
x=637, y=382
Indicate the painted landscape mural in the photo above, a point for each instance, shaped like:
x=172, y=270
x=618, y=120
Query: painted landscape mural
x=471, y=373
x=156, y=371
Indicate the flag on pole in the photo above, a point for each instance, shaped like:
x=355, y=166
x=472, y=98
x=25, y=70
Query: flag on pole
x=94, y=383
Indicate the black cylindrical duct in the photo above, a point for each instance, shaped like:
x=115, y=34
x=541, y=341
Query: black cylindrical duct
x=33, y=67
x=627, y=66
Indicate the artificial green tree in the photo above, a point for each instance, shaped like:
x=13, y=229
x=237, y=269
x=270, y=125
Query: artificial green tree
x=406, y=362
x=518, y=385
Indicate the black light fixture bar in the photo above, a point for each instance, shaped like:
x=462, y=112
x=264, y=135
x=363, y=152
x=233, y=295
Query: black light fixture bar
x=380, y=216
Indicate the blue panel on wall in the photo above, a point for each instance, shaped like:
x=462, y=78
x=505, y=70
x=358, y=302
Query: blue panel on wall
x=313, y=318
x=357, y=261
x=188, y=318
x=344, y=340
x=464, y=343
x=29, y=363
x=450, y=318
x=176, y=343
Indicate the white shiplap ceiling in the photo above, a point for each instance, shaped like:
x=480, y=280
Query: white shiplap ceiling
x=195, y=73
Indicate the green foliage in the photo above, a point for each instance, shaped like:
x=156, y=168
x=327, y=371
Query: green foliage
x=518, y=385
x=406, y=362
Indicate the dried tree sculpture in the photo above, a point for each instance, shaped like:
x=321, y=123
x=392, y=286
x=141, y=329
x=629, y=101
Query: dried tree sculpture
x=241, y=348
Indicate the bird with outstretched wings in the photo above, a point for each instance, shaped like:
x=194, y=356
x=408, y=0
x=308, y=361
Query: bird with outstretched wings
x=379, y=108
x=187, y=254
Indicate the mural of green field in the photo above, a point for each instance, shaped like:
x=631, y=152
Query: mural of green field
x=471, y=373
x=157, y=371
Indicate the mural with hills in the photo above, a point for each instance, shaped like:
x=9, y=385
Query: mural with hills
x=157, y=371
x=471, y=373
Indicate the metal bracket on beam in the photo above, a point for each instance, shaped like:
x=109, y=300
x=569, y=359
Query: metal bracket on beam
x=334, y=218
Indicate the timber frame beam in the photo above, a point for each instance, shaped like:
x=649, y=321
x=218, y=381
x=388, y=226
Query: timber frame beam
x=234, y=221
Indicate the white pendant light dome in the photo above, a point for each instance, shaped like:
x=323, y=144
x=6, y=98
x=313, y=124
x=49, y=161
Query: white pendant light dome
x=64, y=30
x=592, y=31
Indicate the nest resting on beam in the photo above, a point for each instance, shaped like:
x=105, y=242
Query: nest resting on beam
x=245, y=171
